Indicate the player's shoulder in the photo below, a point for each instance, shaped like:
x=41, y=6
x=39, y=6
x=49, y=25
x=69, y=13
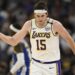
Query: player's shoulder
x=56, y=22
x=28, y=22
x=28, y=25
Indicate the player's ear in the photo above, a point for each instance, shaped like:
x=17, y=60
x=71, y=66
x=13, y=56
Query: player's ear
x=47, y=14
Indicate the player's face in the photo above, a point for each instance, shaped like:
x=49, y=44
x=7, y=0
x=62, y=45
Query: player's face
x=41, y=18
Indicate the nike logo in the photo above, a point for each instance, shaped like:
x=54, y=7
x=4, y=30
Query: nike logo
x=51, y=67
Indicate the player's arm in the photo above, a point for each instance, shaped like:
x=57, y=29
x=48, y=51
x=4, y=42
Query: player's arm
x=15, y=39
x=58, y=27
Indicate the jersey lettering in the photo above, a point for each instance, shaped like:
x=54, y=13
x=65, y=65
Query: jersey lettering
x=40, y=34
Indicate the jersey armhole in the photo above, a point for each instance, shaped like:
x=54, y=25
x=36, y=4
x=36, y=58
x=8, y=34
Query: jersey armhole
x=31, y=28
x=54, y=33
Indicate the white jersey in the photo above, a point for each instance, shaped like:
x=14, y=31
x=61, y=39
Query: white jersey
x=44, y=44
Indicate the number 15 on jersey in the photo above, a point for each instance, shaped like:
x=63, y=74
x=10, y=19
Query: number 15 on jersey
x=41, y=44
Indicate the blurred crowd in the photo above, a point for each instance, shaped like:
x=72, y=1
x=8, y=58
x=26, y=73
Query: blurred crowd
x=18, y=11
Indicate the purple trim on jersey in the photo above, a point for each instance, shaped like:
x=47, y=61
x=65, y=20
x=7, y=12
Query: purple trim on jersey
x=46, y=62
x=59, y=67
x=58, y=64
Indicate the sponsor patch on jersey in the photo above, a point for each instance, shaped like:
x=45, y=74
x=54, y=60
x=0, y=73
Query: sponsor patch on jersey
x=47, y=28
x=33, y=28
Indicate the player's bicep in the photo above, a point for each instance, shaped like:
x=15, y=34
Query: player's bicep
x=62, y=31
x=24, y=29
x=22, y=33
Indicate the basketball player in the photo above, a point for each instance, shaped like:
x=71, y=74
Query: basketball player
x=20, y=56
x=44, y=38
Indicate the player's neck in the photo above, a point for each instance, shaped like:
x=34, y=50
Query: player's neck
x=41, y=25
